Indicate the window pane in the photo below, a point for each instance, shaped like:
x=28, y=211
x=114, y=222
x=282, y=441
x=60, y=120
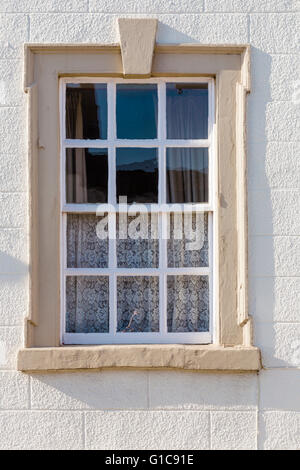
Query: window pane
x=138, y=304
x=137, y=241
x=87, y=175
x=187, y=110
x=84, y=248
x=87, y=304
x=188, y=304
x=86, y=111
x=137, y=174
x=187, y=175
x=136, y=111
x=188, y=240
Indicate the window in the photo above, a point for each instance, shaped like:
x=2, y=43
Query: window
x=112, y=143
x=137, y=210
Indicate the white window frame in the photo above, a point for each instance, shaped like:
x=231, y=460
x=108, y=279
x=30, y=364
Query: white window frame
x=161, y=143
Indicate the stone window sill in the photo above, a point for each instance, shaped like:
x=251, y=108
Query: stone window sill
x=173, y=356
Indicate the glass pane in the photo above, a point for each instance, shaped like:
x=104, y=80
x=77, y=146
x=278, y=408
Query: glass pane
x=187, y=175
x=87, y=304
x=86, y=111
x=188, y=303
x=137, y=241
x=87, y=174
x=187, y=110
x=137, y=174
x=138, y=300
x=188, y=240
x=136, y=111
x=84, y=248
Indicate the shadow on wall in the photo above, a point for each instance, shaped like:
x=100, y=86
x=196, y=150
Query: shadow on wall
x=12, y=265
x=168, y=35
x=260, y=215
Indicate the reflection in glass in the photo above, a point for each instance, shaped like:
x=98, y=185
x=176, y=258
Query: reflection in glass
x=187, y=110
x=84, y=248
x=86, y=111
x=137, y=241
x=136, y=111
x=137, y=174
x=87, y=304
x=138, y=304
x=86, y=174
x=187, y=175
x=188, y=241
x=188, y=304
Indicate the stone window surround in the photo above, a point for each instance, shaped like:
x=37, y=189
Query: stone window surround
x=229, y=65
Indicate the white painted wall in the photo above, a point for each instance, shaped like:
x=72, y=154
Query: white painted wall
x=163, y=410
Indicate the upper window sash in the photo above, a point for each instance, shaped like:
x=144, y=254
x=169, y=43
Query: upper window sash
x=161, y=142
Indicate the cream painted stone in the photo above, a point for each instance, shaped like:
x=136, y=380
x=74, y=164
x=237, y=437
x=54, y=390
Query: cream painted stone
x=159, y=430
x=14, y=391
x=280, y=389
x=34, y=430
x=45, y=296
x=275, y=299
x=14, y=210
x=279, y=343
x=13, y=33
x=274, y=256
x=13, y=299
x=250, y=5
x=146, y=6
x=191, y=391
x=42, y=6
x=100, y=390
x=137, y=41
x=273, y=32
x=11, y=83
x=149, y=356
x=12, y=130
x=13, y=172
x=13, y=251
x=279, y=430
x=11, y=339
x=274, y=213
x=232, y=430
x=275, y=165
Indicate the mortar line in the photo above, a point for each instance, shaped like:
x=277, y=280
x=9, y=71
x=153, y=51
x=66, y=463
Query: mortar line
x=29, y=394
x=248, y=28
x=148, y=390
x=83, y=431
x=208, y=12
x=258, y=413
x=249, y=31
x=28, y=27
x=210, y=430
x=130, y=410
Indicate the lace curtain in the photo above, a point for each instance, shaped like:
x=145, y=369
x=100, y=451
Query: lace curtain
x=87, y=304
x=138, y=304
x=188, y=304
